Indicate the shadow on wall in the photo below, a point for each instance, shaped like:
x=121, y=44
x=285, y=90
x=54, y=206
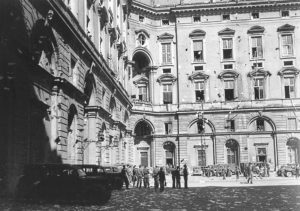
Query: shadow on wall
x=25, y=125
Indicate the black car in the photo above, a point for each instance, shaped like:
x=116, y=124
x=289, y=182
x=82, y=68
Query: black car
x=111, y=173
x=61, y=182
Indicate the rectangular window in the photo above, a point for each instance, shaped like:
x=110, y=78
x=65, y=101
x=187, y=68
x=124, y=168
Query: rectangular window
x=166, y=53
x=228, y=66
x=260, y=125
x=261, y=154
x=168, y=128
x=292, y=124
x=199, y=91
x=229, y=90
x=198, y=50
x=287, y=45
x=288, y=63
x=285, y=13
x=143, y=93
x=255, y=15
x=165, y=22
x=289, y=87
x=256, y=47
x=258, y=64
x=225, y=17
x=196, y=19
x=230, y=125
x=144, y=158
x=198, y=68
x=258, y=88
x=201, y=157
x=167, y=94
x=167, y=70
x=227, y=48
x=141, y=18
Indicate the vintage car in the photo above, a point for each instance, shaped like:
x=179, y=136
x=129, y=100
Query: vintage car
x=197, y=170
x=60, y=182
x=287, y=170
x=111, y=173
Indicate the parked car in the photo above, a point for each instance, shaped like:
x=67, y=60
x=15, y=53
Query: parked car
x=111, y=173
x=61, y=182
x=287, y=170
x=197, y=170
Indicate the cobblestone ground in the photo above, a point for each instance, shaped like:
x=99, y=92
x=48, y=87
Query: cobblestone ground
x=203, y=194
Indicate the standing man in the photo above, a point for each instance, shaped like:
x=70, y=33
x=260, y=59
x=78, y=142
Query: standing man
x=297, y=171
x=156, y=178
x=237, y=172
x=139, y=175
x=268, y=169
x=134, y=177
x=250, y=173
x=185, y=176
x=173, y=173
x=125, y=176
x=177, y=176
x=162, y=179
x=146, y=177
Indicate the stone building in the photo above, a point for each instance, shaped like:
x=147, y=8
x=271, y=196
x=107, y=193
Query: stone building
x=215, y=82
x=63, y=82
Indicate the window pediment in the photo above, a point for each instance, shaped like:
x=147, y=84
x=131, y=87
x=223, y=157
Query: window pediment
x=226, y=31
x=256, y=29
x=286, y=28
x=198, y=76
x=139, y=79
x=143, y=31
x=166, y=78
x=288, y=71
x=165, y=36
x=259, y=72
x=197, y=33
x=228, y=74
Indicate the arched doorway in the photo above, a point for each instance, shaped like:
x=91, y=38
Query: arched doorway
x=169, y=148
x=233, y=151
x=293, y=148
x=143, y=141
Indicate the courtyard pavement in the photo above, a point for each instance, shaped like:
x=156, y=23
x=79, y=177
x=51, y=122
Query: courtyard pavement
x=214, y=193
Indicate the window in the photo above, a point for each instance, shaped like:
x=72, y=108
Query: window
x=258, y=88
x=291, y=154
x=229, y=89
x=197, y=19
x=142, y=39
x=256, y=47
x=261, y=154
x=199, y=91
x=227, y=48
x=260, y=125
x=198, y=50
x=197, y=68
x=230, y=156
x=228, y=66
x=201, y=157
x=141, y=18
x=167, y=93
x=258, y=64
x=167, y=70
x=289, y=87
x=292, y=124
x=165, y=22
x=72, y=66
x=288, y=63
x=168, y=128
x=285, y=13
x=230, y=125
x=254, y=15
x=200, y=126
x=225, y=17
x=166, y=53
x=287, y=45
x=143, y=93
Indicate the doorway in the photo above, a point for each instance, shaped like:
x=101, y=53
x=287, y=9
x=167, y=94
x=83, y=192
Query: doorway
x=169, y=148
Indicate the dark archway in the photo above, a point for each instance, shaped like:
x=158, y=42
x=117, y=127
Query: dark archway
x=142, y=128
x=293, y=149
x=233, y=152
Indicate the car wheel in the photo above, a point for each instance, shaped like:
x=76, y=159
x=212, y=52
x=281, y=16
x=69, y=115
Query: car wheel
x=289, y=174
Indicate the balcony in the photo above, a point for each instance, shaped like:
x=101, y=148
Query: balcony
x=218, y=106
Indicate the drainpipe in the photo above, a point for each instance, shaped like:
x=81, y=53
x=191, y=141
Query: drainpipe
x=177, y=72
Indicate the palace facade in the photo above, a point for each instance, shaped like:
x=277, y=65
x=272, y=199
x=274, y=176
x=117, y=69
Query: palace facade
x=215, y=82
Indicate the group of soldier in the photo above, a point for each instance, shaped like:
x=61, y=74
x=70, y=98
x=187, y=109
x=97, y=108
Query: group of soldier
x=140, y=176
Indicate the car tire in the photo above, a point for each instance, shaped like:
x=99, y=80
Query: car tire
x=288, y=174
